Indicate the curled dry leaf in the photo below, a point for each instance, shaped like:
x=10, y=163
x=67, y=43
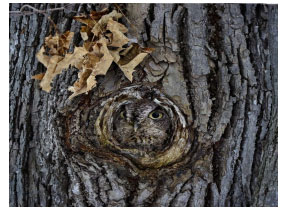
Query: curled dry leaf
x=84, y=20
x=100, y=26
x=96, y=15
x=56, y=64
x=38, y=76
x=74, y=59
x=115, y=26
x=51, y=59
x=104, y=42
x=131, y=57
x=44, y=59
x=58, y=44
x=84, y=33
x=116, y=54
x=50, y=72
x=90, y=21
x=118, y=39
x=102, y=66
x=93, y=66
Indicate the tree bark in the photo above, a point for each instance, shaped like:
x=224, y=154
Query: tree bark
x=217, y=62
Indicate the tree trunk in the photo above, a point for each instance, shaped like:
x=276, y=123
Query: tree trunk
x=217, y=62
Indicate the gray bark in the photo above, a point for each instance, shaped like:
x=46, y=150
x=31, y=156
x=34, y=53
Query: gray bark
x=218, y=62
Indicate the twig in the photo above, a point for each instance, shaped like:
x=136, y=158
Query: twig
x=133, y=26
x=22, y=12
x=53, y=24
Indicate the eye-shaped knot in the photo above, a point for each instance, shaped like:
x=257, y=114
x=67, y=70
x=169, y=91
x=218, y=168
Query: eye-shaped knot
x=146, y=143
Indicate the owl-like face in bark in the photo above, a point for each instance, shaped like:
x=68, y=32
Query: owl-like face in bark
x=142, y=124
x=145, y=126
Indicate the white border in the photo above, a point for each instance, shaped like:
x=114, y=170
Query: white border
x=4, y=198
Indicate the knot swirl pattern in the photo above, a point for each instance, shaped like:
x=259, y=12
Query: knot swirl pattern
x=141, y=123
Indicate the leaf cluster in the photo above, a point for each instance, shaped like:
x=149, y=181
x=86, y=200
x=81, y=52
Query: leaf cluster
x=104, y=43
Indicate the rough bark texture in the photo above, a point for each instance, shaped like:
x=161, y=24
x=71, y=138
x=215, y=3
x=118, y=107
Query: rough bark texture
x=218, y=62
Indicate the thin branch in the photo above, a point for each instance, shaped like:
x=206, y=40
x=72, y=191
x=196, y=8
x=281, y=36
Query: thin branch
x=132, y=25
x=22, y=12
x=53, y=24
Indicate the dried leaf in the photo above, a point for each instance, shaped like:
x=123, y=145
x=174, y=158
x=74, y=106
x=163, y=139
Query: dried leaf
x=148, y=50
x=56, y=64
x=128, y=68
x=131, y=57
x=129, y=54
x=103, y=40
x=97, y=15
x=91, y=20
x=76, y=93
x=88, y=45
x=91, y=60
x=84, y=33
x=95, y=66
x=44, y=59
x=100, y=26
x=103, y=65
x=58, y=44
x=50, y=73
x=82, y=81
x=52, y=42
x=116, y=54
x=74, y=59
x=118, y=39
x=85, y=20
x=114, y=25
x=126, y=50
x=38, y=76
x=65, y=39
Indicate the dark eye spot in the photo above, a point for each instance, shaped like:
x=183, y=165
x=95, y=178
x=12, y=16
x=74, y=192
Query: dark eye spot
x=156, y=115
x=123, y=114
